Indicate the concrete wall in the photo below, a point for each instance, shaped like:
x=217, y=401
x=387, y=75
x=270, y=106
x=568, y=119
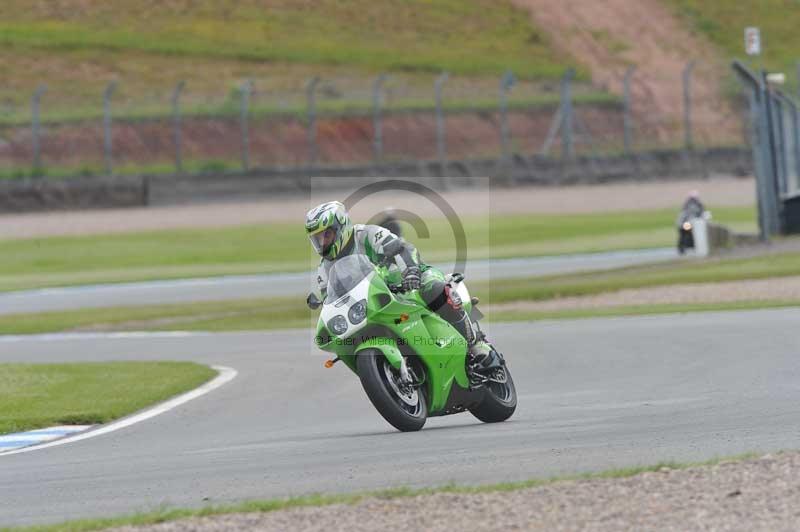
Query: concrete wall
x=518, y=170
x=71, y=194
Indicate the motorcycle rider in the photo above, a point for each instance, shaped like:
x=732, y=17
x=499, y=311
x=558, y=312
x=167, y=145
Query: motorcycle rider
x=333, y=236
x=692, y=207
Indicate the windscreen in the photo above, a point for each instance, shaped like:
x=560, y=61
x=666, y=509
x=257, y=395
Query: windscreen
x=346, y=273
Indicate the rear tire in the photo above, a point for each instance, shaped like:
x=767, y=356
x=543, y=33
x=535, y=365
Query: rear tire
x=499, y=401
x=402, y=411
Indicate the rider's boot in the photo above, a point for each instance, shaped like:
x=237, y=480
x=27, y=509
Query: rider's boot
x=480, y=352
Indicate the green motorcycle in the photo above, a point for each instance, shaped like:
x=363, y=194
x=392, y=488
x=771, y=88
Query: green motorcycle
x=412, y=363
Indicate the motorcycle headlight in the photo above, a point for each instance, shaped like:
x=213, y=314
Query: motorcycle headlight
x=338, y=325
x=358, y=312
x=687, y=226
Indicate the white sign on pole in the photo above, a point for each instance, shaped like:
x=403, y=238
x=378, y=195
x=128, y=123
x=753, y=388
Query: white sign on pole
x=752, y=41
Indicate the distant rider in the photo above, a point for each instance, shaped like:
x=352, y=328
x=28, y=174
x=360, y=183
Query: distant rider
x=334, y=236
x=692, y=207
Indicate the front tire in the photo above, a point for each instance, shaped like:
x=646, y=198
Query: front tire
x=499, y=400
x=405, y=411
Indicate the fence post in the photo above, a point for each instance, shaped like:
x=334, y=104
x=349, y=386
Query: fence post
x=567, y=122
x=108, y=152
x=627, y=118
x=377, y=100
x=769, y=184
x=311, y=112
x=176, y=125
x=36, y=125
x=441, y=140
x=759, y=161
x=798, y=79
x=687, y=105
x=759, y=135
x=506, y=82
x=245, y=90
x=796, y=140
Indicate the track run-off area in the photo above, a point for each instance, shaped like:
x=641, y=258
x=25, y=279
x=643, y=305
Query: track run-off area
x=593, y=395
x=297, y=284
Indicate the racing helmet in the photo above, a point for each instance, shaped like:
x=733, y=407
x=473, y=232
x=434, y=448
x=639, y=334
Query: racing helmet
x=329, y=228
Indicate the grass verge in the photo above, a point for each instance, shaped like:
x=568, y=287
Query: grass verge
x=150, y=47
x=636, y=310
x=665, y=274
x=231, y=109
x=273, y=314
x=170, y=254
x=291, y=312
x=217, y=316
x=724, y=22
x=40, y=395
x=273, y=505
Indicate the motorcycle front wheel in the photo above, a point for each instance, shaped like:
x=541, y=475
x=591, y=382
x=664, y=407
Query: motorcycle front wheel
x=404, y=407
x=499, y=398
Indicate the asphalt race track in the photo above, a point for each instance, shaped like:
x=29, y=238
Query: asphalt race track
x=288, y=284
x=594, y=394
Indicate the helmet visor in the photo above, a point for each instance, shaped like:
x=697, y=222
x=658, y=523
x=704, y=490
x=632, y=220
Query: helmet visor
x=323, y=240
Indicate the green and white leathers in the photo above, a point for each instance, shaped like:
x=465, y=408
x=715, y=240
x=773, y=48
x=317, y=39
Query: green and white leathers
x=333, y=235
x=412, y=363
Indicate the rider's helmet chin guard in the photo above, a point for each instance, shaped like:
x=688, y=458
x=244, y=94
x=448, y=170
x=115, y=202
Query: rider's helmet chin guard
x=329, y=229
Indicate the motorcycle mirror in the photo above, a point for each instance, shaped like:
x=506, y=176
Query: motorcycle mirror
x=313, y=301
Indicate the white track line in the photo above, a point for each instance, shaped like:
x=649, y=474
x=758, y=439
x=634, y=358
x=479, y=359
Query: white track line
x=225, y=375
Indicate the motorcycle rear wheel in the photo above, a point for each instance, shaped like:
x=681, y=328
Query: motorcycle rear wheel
x=499, y=400
x=405, y=411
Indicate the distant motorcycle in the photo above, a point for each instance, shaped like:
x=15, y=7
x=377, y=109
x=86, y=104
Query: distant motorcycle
x=687, y=222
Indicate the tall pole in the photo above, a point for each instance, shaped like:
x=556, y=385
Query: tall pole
x=567, y=122
x=311, y=112
x=798, y=79
x=107, y=139
x=506, y=82
x=770, y=184
x=441, y=140
x=627, y=116
x=687, y=105
x=246, y=90
x=36, y=102
x=177, y=125
x=377, y=125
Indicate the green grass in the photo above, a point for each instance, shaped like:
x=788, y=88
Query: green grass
x=171, y=254
x=635, y=310
x=247, y=314
x=98, y=169
x=230, y=109
x=671, y=273
x=41, y=395
x=471, y=37
x=273, y=505
x=291, y=312
x=723, y=22
x=78, y=47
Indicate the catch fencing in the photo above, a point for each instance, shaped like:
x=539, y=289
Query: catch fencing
x=775, y=133
x=261, y=124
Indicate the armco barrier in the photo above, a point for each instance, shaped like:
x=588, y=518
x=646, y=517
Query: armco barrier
x=72, y=194
x=30, y=195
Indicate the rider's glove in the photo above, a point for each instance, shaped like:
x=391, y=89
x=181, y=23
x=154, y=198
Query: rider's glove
x=411, y=278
